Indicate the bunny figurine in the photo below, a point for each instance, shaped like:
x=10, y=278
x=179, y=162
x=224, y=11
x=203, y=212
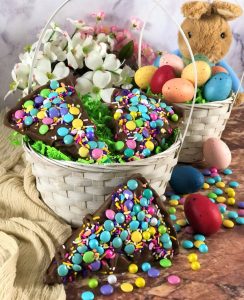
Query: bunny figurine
x=209, y=34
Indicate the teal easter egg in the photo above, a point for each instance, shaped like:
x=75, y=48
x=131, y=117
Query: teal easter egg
x=218, y=87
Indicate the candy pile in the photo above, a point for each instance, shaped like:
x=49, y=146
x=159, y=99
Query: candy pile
x=142, y=124
x=54, y=114
x=131, y=228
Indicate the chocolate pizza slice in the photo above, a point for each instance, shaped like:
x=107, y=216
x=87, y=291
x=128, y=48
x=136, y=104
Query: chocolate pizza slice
x=131, y=226
x=142, y=124
x=54, y=115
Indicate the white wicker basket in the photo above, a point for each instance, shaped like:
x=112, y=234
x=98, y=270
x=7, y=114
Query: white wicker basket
x=208, y=120
x=73, y=189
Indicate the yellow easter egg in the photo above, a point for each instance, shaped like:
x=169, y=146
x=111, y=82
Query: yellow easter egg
x=203, y=72
x=144, y=75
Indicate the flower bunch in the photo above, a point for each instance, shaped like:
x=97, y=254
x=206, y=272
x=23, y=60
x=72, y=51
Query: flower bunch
x=94, y=51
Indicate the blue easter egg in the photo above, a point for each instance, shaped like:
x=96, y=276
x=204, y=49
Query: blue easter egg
x=186, y=180
x=218, y=87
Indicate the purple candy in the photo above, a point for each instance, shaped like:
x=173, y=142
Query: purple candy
x=53, y=112
x=90, y=136
x=64, y=111
x=38, y=100
x=95, y=266
x=128, y=194
x=206, y=172
x=145, y=133
x=153, y=272
x=241, y=204
x=106, y=289
x=129, y=204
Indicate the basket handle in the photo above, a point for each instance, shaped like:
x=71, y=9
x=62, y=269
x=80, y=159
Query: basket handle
x=157, y=4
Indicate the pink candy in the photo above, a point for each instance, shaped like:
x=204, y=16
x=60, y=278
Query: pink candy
x=214, y=170
x=47, y=121
x=182, y=201
x=97, y=153
x=151, y=210
x=109, y=254
x=19, y=114
x=131, y=144
x=153, y=116
x=240, y=212
x=173, y=279
x=110, y=214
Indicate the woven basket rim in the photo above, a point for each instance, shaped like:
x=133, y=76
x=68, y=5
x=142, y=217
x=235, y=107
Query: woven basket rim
x=209, y=104
x=77, y=165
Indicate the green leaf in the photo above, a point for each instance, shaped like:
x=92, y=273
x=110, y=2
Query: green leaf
x=127, y=51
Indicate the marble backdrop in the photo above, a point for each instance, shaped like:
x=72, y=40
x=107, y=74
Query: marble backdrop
x=21, y=20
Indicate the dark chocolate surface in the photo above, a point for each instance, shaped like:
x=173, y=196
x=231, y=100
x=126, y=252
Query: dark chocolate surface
x=121, y=261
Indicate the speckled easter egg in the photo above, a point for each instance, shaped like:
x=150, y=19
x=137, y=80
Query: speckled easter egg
x=160, y=77
x=143, y=76
x=203, y=72
x=186, y=180
x=216, y=153
x=218, y=69
x=178, y=90
x=218, y=87
x=202, y=214
x=172, y=60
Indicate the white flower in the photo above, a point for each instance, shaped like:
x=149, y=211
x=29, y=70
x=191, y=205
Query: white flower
x=20, y=75
x=81, y=25
x=54, y=52
x=43, y=72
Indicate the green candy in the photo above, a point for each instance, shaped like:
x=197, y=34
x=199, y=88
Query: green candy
x=93, y=283
x=171, y=210
x=139, y=123
x=212, y=195
x=119, y=145
x=43, y=129
x=88, y=257
x=44, y=93
x=162, y=229
x=28, y=103
x=174, y=118
x=165, y=263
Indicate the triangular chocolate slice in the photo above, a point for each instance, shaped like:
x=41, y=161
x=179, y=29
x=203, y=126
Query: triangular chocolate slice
x=54, y=115
x=131, y=226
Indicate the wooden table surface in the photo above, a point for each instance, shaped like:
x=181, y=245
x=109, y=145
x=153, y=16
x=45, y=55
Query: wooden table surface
x=221, y=276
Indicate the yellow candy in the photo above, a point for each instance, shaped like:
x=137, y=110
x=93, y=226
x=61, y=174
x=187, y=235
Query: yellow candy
x=231, y=201
x=146, y=235
x=220, y=184
x=140, y=282
x=136, y=237
x=195, y=265
x=83, y=152
x=133, y=268
x=29, y=108
x=74, y=110
x=77, y=123
x=149, y=145
x=205, y=186
x=41, y=115
x=181, y=222
x=173, y=202
x=126, y=287
x=60, y=90
x=197, y=244
x=117, y=115
x=231, y=193
x=192, y=257
x=130, y=125
x=152, y=230
x=133, y=114
x=228, y=224
x=221, y=199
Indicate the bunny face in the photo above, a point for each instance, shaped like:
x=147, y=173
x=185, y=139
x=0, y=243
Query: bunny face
x=207, y=29
x=210, y=35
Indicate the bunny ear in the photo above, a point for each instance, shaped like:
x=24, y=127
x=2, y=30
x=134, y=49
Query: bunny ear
x=228, y=11
x=196, y=9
